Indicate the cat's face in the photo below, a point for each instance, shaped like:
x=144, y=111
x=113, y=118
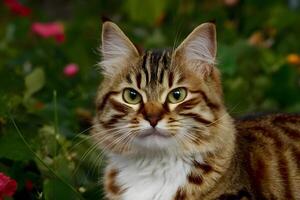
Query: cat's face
x=165, y=100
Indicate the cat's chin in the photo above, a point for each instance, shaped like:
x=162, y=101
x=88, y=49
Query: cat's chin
x=155, y=139
x=153, y=133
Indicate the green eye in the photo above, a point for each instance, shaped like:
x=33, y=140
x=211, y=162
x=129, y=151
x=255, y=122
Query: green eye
x=131, y=96
x=177, y=95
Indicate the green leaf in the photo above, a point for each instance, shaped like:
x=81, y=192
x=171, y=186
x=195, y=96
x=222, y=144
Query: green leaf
x=145, y=11
x=34, y=82
x=61, y=180
x=12, y=147
x=55, y=189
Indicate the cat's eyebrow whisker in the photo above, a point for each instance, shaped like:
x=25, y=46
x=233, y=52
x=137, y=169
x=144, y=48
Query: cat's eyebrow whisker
x=178, y=32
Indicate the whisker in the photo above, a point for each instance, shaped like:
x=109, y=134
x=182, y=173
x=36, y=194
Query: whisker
x=96, y=145
x=87, y=137
x=121, y=140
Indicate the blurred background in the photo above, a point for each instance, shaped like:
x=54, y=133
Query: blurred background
x=49, y=77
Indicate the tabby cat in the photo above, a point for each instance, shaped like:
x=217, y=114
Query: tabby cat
x=165, y=131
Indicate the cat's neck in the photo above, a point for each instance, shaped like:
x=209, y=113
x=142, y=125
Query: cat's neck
x=151, y=177
x=146, y=176
x=141, y=159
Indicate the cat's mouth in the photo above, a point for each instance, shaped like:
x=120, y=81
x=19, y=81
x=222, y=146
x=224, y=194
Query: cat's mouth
x=154, y=132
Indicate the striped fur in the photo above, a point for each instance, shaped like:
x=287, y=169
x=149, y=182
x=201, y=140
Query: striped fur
x=190, y=150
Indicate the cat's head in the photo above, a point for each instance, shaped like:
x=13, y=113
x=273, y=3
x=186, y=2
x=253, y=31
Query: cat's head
x=159, y=100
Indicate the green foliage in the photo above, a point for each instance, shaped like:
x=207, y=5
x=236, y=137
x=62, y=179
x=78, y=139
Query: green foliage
x=258, y=55
x=10, y=142
x=146, y=12
x=34, y=82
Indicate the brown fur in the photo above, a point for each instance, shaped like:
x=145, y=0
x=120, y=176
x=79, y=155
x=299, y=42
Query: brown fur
x=265, y=164
x=111, y=186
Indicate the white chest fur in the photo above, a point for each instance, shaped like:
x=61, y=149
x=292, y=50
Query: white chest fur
x=151, y=178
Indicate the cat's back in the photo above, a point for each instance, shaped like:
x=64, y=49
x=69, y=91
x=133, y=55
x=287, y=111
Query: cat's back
x=269, y=150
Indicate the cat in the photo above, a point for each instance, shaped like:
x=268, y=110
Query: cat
x=166, y=134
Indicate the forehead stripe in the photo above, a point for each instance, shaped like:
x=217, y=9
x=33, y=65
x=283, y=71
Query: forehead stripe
x=162, y=68
x=128, y=78
x=161, y=76
x=138, y=80
x=171, y=79
x=153, y=69
x=155, y=64
x=165, y=60
x=144, y=66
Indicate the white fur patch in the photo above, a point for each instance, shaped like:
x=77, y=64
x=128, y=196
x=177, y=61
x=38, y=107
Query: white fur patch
x=156, y=177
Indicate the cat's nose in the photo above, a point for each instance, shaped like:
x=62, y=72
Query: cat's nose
x=153, y=120
x=153, y=112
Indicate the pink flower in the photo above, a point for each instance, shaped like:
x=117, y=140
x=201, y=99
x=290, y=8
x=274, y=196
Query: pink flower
x=46, y=30
x=71, y=70
x=8, y=186
x=17, y=8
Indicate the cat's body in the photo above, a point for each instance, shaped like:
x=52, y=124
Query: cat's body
x=162, y=123
x=268, y=150
x=265, y=165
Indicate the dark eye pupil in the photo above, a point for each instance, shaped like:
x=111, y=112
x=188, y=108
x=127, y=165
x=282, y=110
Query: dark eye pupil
x=176, y=94
x=132, y=94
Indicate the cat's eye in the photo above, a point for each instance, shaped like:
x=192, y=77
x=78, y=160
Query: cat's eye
x=177, y=95
x=131, y=96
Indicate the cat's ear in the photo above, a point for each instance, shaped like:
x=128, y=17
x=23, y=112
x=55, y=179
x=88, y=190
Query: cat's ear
x=200, y=45
x=116, y=49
